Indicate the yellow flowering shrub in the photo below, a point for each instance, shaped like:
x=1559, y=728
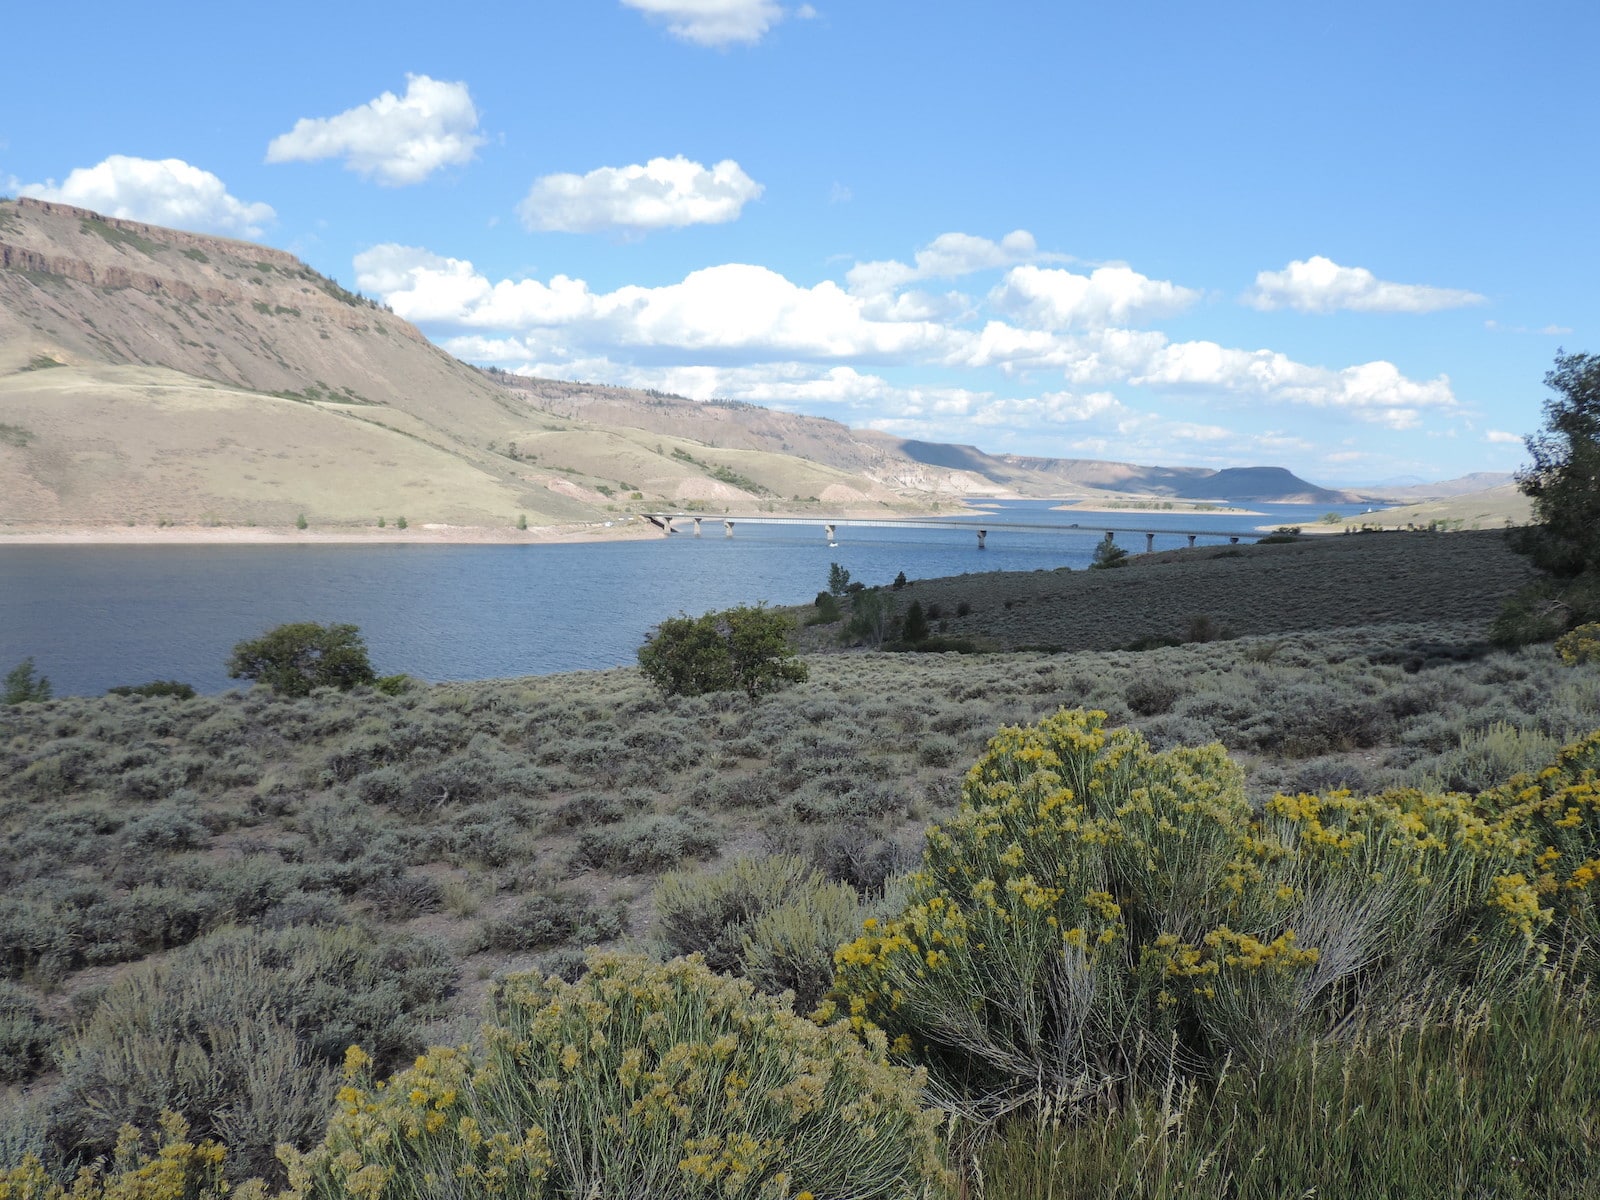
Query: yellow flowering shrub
x=1557, y=813
x=641, y=1079
x=1580, y=645
x=1095, y=908
x=176, y=1168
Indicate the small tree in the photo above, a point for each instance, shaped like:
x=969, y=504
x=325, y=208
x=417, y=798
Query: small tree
x=827, y=606
x=1564, y=484
x=871, y=619
x=24, y=686
x=838, y=579
x=1564, y=480
x=293, y=659
x=1107, y=555
x=743, y=649
x=915, y=627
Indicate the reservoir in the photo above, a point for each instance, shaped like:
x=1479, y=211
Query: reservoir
x=92, y=617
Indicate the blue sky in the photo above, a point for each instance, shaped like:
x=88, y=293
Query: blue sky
x=1344, y=238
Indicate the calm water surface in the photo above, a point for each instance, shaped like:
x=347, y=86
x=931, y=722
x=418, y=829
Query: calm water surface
x=95, y=616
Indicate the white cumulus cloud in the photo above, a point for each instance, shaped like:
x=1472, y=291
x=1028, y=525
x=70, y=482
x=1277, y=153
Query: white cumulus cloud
x=1501, y=437
x=1320, y=285
x=396, y=139
x=165, y=191
x=717, y=22
x=806, y=343
x=948, y=256
x=663, y=193
x=1049, y=298
x=727, y=308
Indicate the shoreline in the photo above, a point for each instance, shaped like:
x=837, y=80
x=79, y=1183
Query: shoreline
x=1218, y=511
x=241, y=535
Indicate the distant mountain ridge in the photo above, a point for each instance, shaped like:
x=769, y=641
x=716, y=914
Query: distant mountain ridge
x=150, y=374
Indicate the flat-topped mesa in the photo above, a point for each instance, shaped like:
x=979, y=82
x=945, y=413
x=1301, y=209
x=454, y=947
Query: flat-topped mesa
x=62, y=241
x=178, y=239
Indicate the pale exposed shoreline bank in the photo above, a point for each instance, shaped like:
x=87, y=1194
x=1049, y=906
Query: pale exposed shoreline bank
x=227, y=535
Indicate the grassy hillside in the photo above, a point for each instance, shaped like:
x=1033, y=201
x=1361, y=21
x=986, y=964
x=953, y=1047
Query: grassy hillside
x=1216, y=591
x=149, y=374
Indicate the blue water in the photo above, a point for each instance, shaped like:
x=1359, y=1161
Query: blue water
x=95, y=616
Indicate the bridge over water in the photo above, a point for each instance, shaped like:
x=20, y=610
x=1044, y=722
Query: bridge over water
x=830, y=526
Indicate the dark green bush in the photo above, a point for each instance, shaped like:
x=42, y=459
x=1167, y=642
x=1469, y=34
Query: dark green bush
x=159, y=687
x=22, y=685
x=743, y=649
x=26, y=1036
x=293, y=659
x=1152, y=695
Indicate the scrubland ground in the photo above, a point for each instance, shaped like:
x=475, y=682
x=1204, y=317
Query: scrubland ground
x=358, y=867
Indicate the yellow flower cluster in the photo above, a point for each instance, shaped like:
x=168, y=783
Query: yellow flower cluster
x=1083, y=869
x=1580, y=645
x=641, y=1078
x=179, y=1169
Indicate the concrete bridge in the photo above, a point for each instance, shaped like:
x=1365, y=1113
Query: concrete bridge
x=831, y=525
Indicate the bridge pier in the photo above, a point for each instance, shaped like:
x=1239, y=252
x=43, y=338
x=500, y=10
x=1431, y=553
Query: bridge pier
x=697, y=527
x=1149, y=542
x=1191, y=541
x=982, y=533
x=1233, y=541
x=727, y=529
x=831, y=538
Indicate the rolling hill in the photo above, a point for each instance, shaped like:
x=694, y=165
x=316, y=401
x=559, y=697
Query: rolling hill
x=149, y=375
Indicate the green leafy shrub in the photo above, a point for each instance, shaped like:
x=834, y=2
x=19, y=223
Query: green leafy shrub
x=1092, y=897
x=158, y=687
x=22, y=685
x=827, y=606
x=293, y=659
x=743, y=649
x=871, y=619
x=1107, y=554
x=914, y=628
x=637, y=1080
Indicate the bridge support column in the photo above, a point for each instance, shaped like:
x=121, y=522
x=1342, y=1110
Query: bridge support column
x=829, y=529
x=697, y=527
x=727, y=529
x=1233, y=541
x=982, y=533
x=1111, y=535
x=1149, y=542
x=1191, y=541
